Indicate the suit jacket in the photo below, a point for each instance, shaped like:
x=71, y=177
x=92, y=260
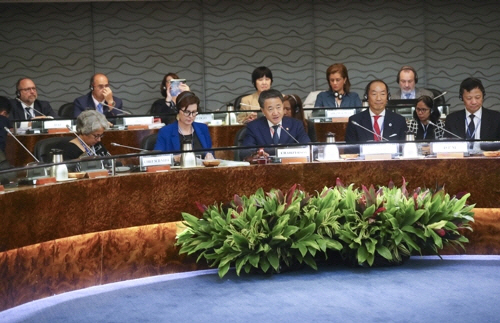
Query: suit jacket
x=86, y=102
x=490, y=124
x=168, y=137
x=394, y=127
x=258, y=133
x=17, y=111
x=418, y=93
x=327, y=100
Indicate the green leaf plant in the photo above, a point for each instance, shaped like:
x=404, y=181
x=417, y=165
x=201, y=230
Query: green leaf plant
x=270, y=232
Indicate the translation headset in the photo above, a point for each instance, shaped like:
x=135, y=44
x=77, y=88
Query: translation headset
x=18, y=93
x=181, y=97
x=91, y=85
x=338, y=95
x=297, y=108
x=476, y=84
x=407, y=68
x=368, y=88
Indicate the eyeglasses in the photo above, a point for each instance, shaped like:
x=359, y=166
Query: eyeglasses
x=98, y=136
x=28, y=89
x=190, y=113
x=419, y=110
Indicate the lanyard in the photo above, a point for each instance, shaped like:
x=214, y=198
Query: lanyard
x=425, y=127
x=89, y=150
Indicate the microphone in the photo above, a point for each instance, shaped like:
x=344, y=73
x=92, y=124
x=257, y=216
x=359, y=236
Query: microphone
x=357, y=124
x=289, y=134
x=439, y=127
x=29, y=152
x=81, y=140
x=129, y=147
x=107, y=105
x=49, y=117
x=249, y=105
x=440, y=95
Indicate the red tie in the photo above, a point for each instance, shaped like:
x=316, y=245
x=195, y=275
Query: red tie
x=376, y=128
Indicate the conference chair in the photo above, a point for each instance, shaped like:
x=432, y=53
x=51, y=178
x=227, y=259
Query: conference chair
x=66, y=111
x=43, y=148
x=238, y=142
x=149, y=142
x=237, y=102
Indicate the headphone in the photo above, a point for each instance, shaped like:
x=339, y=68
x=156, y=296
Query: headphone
x=407, y=68
x=91, y=85
x=338, y=95
x=367, y=88
x=297, y=108
x=473, y=84
x=18, y=93
x=180, y=97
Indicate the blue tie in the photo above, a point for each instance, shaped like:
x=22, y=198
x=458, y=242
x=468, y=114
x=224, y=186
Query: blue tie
x=471, y=128
x=99, y=108
x=276, y=139
x=408, y=95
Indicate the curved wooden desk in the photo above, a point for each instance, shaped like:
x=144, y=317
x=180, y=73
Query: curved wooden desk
x=222, y=136
x=72, y=235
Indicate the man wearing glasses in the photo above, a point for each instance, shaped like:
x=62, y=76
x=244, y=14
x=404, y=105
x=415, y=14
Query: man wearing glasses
x=26, y=105
x=100, y=98
x=273, y=128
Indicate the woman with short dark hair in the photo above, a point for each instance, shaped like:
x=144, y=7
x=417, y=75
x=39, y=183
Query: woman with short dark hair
x=262, y=79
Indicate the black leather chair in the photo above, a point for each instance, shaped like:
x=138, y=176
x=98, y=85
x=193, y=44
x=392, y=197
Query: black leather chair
x=66, y=111
x=149, y=142
x=439, y=101
x=238, y=142
x=43, y=147
x=237, y=102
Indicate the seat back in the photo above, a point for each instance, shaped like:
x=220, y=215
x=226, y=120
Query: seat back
x=66, y=111
x=149, y=142
x=237, y=102
x=238, y=141
x=43, y=147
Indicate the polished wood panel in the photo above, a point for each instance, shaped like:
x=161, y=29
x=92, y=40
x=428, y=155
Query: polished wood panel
x=34, y=215
x=222, y=136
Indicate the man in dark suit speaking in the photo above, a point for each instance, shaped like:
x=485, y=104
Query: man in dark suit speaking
x=273, y=128
x=100, y=98
x=475, y=121
x=382, y=124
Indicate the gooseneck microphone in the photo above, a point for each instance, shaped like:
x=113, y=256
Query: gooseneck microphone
x=49, y=117
x=81, y=140
x=129, y=147
x=29, y=152
x=372, y=132
x=107, y=105
x=251, y=106
x=442, y=128
x=440, y=95
x=289, y=134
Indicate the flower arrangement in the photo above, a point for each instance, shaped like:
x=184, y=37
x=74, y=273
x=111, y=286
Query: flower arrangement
x=272, y=231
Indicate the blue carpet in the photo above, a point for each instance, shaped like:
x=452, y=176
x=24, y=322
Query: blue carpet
x=425, y=289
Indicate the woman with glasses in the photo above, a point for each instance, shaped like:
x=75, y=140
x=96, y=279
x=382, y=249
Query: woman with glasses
x=90, y=127
x=172, y=136
x=425, y=112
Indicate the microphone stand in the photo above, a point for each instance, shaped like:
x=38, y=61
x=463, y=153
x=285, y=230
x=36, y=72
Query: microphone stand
x=376, y=134
x=81, y=140
x=29, y=152
x=129, y=147
x=289, y=134
x=439, y=127
x=116, y=108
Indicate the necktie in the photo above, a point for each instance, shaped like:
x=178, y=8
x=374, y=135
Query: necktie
x=471, y=128
x=28, y=113
x=276, y=139
x=408, y=95
x=376, y=128
x=99, y=108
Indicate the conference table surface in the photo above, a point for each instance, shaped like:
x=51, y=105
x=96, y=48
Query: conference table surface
x=222, y=136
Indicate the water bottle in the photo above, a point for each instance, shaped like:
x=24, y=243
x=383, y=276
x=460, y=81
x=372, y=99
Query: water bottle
x=60, y=172
x=331, y=152
x=230, y=115
x=188, y=159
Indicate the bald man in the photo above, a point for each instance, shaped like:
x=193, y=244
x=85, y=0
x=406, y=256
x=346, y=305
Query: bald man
x=99, y=98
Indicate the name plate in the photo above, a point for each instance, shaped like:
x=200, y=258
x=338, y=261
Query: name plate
x=449, y=147
x=56, y=124
x=204, y=118
x=377, y=149
x=340, y=113
x=292, y=152
x=157, y=160
x=132, y=121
